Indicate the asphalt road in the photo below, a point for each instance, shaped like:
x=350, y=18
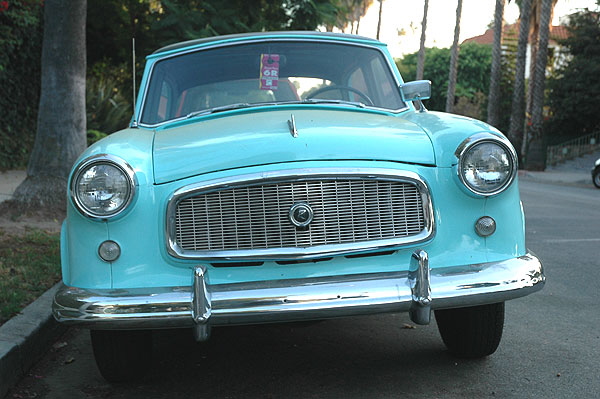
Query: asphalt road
x=550, y=348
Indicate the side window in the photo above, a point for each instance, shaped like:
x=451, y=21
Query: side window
x=164, y=102
x=385, y=88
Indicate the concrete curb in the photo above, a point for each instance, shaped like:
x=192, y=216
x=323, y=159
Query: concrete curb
x=25, y=338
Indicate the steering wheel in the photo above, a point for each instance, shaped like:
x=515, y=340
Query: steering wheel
x=341, y=88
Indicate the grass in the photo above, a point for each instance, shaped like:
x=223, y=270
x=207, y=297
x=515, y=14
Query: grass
x=29, y=265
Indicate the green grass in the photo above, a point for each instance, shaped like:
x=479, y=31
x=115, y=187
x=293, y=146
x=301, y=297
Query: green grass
x=29, y=265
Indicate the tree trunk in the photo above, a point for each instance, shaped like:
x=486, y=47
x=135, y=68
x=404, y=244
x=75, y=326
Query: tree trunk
x=534, y=33
x=61, y=126
x=421, y=58
x=379, y=20
x=536, y=152
x=517, y=112
x=535, y=24
x=493, y=111
x=454, y=61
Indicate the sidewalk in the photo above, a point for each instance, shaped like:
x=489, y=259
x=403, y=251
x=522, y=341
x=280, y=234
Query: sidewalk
x=9, y=181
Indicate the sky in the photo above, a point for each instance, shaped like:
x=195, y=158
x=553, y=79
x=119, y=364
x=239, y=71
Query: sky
x=476, y=16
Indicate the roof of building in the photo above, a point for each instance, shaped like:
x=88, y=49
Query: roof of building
x=557, y=33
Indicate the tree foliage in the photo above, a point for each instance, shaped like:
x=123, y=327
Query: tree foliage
x=20, y=53
x=349, y=12
x=473, y=73
x=574, y=90
x=156, y=23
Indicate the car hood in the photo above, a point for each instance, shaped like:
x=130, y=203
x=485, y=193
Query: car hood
x=243, y=139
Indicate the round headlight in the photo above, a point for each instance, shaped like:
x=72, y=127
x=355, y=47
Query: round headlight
x=487, y=166
x=102, y=186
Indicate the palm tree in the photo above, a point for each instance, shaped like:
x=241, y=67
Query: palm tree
x=421, y=58
x=536, y=149
x=517, y=112
x=534, y=29
x=379, y=20
x=349, y=12
x=454, y=61
x=493, y=116
x=360, y=10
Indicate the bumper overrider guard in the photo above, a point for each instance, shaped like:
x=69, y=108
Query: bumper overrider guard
x=202, y=304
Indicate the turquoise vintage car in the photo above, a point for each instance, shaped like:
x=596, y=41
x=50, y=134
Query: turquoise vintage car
x=289, y=176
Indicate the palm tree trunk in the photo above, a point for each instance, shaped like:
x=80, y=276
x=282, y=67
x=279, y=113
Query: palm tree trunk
x=517, y=112
x=379, y=20
x=536, y=151
x=534, y=26
x=421, y=58
x=453, y=61
x=61, y=125
x=534, y=33
x=493, y=111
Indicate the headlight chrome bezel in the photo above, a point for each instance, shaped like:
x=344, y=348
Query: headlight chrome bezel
x=482, y=138
x=100, y=159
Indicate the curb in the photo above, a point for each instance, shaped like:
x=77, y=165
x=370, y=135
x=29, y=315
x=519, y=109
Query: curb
x=25, y=338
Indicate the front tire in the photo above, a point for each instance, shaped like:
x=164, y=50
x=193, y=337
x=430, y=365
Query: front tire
x=122, y=355
x=471, y=332
x=596, y=178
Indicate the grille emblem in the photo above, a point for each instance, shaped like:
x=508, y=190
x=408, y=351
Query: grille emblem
x=301, y=214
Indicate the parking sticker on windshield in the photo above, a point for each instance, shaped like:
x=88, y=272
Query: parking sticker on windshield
x=269, y=71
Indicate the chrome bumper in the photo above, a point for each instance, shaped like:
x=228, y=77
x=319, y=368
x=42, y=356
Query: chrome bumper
x=417, y=291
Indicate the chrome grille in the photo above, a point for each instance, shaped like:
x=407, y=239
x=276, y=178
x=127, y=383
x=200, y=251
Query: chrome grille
x=255, y=216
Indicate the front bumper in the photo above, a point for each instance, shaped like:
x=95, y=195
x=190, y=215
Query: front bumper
x=201, y=304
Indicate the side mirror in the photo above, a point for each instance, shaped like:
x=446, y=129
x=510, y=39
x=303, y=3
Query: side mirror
x=415, y=91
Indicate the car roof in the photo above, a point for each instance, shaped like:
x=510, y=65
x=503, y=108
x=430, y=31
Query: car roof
x=258, y=35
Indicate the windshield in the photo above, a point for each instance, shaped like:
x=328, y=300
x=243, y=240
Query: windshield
x=269, y=72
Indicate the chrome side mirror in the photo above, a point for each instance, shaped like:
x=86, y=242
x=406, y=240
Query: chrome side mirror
x=416, y=91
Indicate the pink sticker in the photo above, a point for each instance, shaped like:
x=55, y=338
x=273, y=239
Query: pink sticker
x=269, y=71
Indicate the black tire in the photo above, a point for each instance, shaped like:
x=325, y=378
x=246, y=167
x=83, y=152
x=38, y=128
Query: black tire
x=471, y=332
x=122, y=355
x=596, y=178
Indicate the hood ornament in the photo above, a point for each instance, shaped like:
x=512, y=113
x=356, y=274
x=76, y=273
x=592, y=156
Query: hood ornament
x=292, y=126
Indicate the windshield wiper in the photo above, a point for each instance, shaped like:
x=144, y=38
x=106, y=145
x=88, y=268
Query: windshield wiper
x=327, y=101
x=228, y=107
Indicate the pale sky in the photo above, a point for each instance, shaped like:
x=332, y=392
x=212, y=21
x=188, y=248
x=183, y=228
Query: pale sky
x=476, y=15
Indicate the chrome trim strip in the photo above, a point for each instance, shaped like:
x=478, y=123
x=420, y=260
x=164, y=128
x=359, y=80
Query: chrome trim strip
x=298, y=299
x=103, y=159
x=258, y=40
x=298, y=175
x=478, y=139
